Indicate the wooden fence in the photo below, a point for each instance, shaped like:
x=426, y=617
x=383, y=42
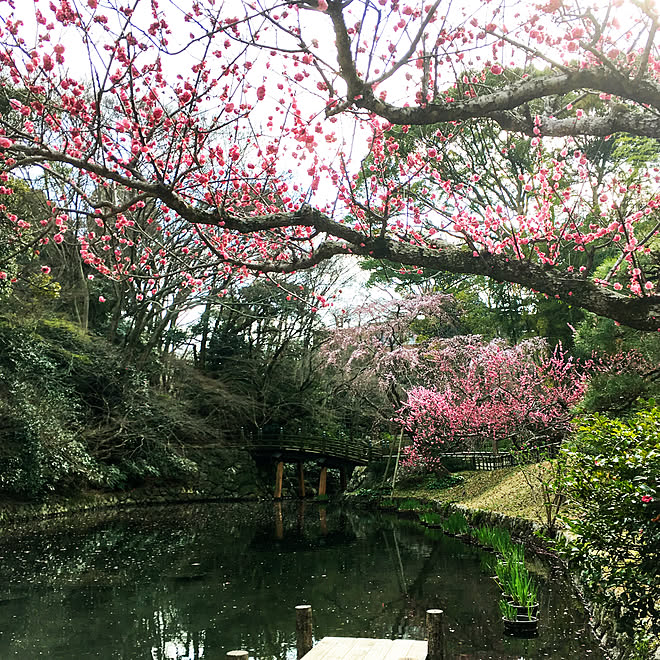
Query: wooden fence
x=487, y=460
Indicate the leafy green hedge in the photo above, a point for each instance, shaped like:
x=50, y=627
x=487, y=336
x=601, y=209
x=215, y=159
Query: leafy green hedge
x=614, y=478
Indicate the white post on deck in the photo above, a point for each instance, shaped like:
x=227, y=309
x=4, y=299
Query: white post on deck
x=435, y=635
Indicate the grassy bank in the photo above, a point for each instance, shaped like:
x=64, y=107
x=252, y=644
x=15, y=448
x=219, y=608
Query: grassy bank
x=504, y=491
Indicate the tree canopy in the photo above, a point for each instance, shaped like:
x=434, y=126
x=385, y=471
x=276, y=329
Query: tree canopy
x=261, y=134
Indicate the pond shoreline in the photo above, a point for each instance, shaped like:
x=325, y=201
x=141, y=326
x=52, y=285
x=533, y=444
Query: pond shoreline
x=17, y=512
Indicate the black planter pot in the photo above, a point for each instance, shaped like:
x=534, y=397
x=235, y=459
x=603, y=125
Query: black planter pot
x=522, y=626
x=522, y=610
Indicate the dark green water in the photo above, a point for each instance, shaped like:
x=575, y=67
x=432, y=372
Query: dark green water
x=193, y=582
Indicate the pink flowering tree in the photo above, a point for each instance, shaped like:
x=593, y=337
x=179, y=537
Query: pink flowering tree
x=381, y=349
x=488, y=392
x=405, y=362
x=247, y=125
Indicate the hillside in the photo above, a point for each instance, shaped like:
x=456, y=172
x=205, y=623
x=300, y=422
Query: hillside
x=76, y=415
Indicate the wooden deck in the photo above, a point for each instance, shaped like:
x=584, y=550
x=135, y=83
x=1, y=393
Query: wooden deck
x=360, y=648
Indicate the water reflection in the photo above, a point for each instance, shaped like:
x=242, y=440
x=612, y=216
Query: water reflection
x=193, y=582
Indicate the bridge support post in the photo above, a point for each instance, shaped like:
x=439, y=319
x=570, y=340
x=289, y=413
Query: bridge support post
x=279, y=474
x=323, y=480
x=344, y=476
x=301, y=478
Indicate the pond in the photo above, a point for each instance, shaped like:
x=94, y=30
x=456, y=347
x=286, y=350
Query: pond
x=192, y=582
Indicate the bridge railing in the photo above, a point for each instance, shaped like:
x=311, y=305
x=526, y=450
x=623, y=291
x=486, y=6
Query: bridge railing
x=357, y=450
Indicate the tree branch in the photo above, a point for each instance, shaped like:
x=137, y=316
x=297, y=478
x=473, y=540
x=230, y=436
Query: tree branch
x=643, y=92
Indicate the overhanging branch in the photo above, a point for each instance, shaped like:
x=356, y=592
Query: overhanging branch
x=642, y=313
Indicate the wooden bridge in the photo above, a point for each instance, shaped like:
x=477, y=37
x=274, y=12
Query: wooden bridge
x=343, y=452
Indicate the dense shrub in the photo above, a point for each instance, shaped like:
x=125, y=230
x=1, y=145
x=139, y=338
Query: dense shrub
x=630, y=359
x=73, y=415
x=614, y=479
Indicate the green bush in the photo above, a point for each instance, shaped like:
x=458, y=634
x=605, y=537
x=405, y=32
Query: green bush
x=616, y=390
x=74, y=416
x=442, y=482
x=613, y=483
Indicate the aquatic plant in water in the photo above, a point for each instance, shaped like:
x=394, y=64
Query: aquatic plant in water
x=412, y=504
x=456, y=524
x=520, y=585
x=484, y=535
x=387, y=503
x=514, y=553
x=507, y=610
x=430, y=518
x=494, y=537
x=501, y=541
